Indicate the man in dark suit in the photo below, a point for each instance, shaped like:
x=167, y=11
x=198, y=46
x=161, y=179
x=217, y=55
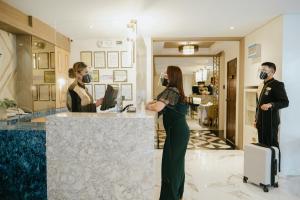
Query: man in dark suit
x=271, y=97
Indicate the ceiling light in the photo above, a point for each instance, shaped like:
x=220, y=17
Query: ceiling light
x=91, y=26
x=231, y=28
x=188, y=49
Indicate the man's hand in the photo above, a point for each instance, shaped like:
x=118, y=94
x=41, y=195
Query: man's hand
x=266, y=106
x=254, y=124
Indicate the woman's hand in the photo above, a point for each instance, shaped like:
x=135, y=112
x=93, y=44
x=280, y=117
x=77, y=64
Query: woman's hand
x=99, y=102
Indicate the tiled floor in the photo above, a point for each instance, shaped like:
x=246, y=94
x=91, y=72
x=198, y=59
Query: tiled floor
x=199, y=139
x=217, y=175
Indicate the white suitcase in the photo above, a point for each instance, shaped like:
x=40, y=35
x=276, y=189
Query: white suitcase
x=261, y=165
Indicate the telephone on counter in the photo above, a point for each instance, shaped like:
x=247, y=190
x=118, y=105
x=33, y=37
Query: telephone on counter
x=129, y=108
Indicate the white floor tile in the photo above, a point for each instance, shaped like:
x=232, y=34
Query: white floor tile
x=217, y=175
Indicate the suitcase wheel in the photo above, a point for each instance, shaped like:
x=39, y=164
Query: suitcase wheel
x=266, y=189
x=276, y=185
x=245, y=179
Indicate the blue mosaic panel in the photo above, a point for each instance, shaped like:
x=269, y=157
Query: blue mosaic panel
x=23, y=162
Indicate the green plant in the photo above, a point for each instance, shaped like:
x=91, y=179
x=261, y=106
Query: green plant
x=7, y=103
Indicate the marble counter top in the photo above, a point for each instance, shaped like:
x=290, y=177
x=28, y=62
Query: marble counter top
x=105, y=156
x=146, y=114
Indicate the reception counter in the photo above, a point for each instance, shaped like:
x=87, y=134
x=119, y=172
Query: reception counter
x=105, y=156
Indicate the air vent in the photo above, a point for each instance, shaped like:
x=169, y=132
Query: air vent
x=109, y=43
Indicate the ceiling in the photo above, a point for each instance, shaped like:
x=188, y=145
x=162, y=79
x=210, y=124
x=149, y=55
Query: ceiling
x=80, y=19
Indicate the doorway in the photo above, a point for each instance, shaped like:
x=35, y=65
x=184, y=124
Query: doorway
x=231, y=100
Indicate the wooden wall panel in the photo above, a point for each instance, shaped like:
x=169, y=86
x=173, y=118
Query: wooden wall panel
x=62, y=41
x=15, y=21
x=62, y=58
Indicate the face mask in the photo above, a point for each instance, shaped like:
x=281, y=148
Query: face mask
x=263, y=75
x=87, y=78
x=163, y=80
x=265, y=72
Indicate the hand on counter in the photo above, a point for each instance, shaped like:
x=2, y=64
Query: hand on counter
x=99, y=102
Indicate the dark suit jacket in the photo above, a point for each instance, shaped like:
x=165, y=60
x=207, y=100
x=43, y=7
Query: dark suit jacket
x=273, y=92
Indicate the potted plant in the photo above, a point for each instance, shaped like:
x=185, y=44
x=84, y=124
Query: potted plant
x=4, y=104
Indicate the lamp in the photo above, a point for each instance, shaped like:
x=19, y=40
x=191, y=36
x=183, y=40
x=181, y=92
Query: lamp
x=188, y=49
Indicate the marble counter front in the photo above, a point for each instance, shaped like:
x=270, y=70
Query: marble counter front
x=107, y=156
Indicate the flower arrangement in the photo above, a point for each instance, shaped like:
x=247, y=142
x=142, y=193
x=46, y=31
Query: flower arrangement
x=7, y=103
x=4, y=105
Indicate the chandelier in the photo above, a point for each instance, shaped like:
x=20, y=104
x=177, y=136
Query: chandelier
x=188, y=49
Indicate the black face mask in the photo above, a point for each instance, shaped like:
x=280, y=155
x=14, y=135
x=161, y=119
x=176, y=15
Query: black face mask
x=86, y=78
x=164, y=81
x=263, y=75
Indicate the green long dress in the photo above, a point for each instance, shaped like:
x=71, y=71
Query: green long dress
x=177, y=131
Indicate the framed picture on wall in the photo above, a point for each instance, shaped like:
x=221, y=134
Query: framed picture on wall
x=44, y=92
x=120, y=76
x=99, y=59
x=86, y=57
x=35, y=95
x=99, y=90
x=52, y=60
x=125, y=60
x=106, y=76
x=43, y=60
x=49, y=76
x=126, y=91
x=95, y=75
x=112, y=59
x=53, y=92
x=89, y=88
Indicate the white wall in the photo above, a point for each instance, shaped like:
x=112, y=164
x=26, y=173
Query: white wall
x=149, y=68
x=270, y=39
x=289, y=132
x=91, y=45
x=141, y=67
x=8, y=65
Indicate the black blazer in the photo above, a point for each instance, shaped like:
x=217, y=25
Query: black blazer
x=273, y=92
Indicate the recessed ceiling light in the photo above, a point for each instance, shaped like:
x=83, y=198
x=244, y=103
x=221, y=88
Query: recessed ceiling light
x=91, y=26
x=231, y=27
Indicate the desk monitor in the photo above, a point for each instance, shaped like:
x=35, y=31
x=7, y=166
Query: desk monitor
x=109, y=100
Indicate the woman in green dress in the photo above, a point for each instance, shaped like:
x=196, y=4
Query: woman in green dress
x=172, y=105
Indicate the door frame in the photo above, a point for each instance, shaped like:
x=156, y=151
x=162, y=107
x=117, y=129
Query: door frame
x=240, y=76
x=236, y=101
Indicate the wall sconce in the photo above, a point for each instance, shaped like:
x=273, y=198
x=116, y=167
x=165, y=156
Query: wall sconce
x=61, y=83
x=132, y=30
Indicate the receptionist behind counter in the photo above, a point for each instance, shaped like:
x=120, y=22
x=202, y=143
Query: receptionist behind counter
x=78, y=97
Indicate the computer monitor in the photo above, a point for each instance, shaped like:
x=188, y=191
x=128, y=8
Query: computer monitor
x=109, y=100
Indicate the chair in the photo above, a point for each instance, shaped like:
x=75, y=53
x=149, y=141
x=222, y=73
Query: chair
x=212, y=115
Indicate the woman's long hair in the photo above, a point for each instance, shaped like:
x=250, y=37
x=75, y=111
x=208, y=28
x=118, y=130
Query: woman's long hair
x=175, y=80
